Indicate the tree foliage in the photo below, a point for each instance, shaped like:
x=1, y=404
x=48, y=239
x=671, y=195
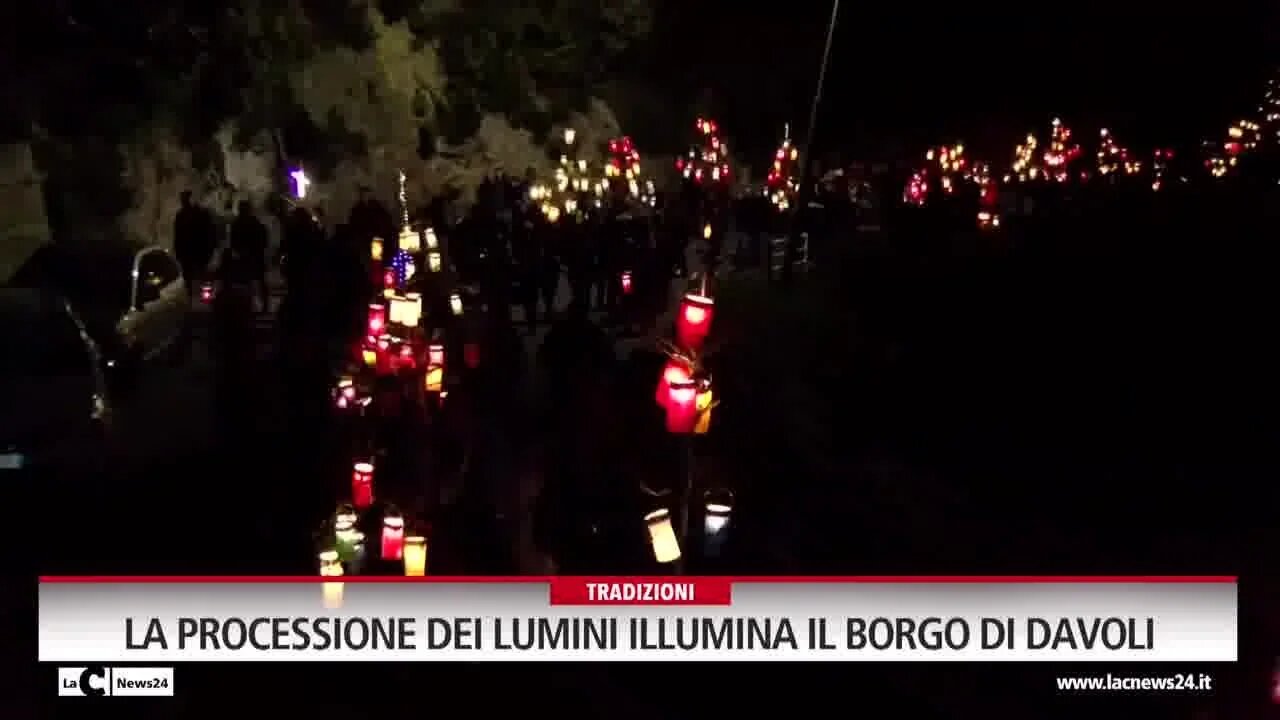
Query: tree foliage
x=380, y=94
x=533, y=62
x=379, y=82
x=88, y=66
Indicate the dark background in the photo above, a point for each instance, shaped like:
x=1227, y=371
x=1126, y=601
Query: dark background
x=909, y=74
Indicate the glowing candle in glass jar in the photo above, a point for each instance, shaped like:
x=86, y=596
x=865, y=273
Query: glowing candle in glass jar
x=345, y=517
x=415, y=556
x=375, y=249
x=356, y=561
x=362, y=484
x=433, y=242
x=395, y=309
x=409, y=240
x=626, y=282
x=377, y=319
x=433, y=381
x=392, y=536
x=673, y=371
x=433, y=261
x=666, y=548
x=682, y=412
x=344, y=530
x=345, y=394
x=694, y=320
x=331, y=566
x=705, y=401
x=369, y=356
x=715, y=523
x=455, y=304
x=717, y=517
x=206, y=292
x=413, y=311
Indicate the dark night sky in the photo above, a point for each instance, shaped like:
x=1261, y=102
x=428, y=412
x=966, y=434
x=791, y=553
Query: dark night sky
x=908, y=73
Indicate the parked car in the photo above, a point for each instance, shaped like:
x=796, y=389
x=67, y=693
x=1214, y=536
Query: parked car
x=132, y=300
x=56, y=410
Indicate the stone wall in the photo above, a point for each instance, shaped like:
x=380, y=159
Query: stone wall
x=23, y=223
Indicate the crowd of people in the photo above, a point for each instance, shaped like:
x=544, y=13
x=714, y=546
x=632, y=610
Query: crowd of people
x=577, y=282
x=571, y=285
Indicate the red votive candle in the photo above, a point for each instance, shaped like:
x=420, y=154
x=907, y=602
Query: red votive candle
x=673, y=372
x=682, y=410
x=392, y=537
x=362, y=485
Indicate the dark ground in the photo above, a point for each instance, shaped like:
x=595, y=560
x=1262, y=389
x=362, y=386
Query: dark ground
x=1089, y=395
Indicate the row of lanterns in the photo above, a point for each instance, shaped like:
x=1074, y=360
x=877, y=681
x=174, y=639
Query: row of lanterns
x=395, y=342
x=574, y=180
x=683, y=391
x=394, y=321
x=348, y=556
x=707, y=161
x=393, y=327
x=685, y=394
x=717, y=510
x=782, y=185
x=1055, y=160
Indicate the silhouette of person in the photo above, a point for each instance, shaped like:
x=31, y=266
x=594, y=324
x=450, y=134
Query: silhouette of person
x=302, y=250
x=193, y=241
x=525, y=253
x=233, y=340
x=546, y=238
x=370, y=219
x=300, y=246
x=249, y=244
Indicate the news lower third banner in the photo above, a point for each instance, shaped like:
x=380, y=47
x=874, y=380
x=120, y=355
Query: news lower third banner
x=164, y=620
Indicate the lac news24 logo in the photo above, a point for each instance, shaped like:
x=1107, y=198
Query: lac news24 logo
x=99, y=681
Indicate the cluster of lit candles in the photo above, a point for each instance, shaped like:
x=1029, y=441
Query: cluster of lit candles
x=947, y=166
x=709, y=161
x=574, y=180
x=394, y=338
x=717, y=509
x=398, y=348
x=394, y=320
x=345, y=548
x=781, y=185
x=684, y=393
x=1053, y=161
x=952, y=168
x=346, y=551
